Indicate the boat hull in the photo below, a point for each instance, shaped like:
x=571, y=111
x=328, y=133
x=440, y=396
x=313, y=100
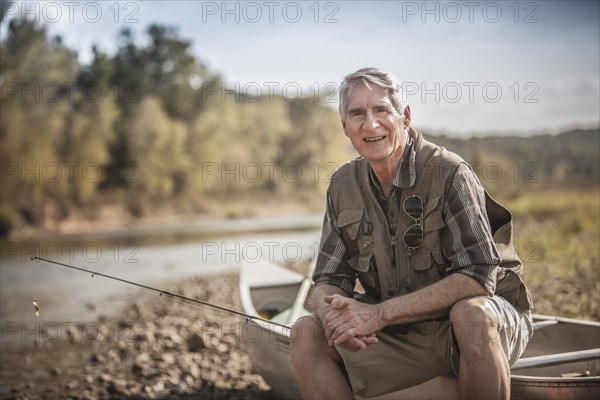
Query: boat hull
x=542, y=388
x=269, y=350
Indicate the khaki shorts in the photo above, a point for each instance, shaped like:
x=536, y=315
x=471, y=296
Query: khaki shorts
x=421, y=351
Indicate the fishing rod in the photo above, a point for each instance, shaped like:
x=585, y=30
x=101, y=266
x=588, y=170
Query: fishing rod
x=162, y=292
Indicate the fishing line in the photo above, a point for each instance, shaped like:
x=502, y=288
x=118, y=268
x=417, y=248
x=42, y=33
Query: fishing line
x=161, y=292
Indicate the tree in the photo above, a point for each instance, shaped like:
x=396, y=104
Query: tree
x=36, y=77
x=157, y=146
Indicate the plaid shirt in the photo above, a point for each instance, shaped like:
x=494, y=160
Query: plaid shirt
x=466, y=239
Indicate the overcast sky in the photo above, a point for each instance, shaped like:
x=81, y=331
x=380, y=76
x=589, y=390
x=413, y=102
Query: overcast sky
x=468, y=67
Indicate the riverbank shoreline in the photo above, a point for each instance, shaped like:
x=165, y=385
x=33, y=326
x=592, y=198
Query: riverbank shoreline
x=183, y=228
x=116, y=219
x=155, y=348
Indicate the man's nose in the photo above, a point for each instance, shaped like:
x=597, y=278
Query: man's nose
x=371, y=122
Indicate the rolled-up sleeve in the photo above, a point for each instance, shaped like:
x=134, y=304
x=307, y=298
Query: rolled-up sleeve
x=331, y=268
x=467, y=238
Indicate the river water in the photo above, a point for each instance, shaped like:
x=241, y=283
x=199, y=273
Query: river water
x=155, y=256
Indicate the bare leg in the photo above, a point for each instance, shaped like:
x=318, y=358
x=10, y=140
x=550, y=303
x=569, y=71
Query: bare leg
x=319, y=367
x=484, y=369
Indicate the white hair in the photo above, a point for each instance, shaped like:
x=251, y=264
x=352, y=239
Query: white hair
x=378, y=77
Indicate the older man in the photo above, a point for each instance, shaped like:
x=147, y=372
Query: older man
x=440, y=289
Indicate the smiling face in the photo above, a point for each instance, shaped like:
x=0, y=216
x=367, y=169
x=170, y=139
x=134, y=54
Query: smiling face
x=375, y=128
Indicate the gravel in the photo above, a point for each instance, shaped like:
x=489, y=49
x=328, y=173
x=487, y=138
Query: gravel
x=161, y=349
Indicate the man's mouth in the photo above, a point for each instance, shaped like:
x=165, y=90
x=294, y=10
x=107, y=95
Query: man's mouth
x=374, y=139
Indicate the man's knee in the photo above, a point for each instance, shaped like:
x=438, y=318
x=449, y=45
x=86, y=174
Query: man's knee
x=307, y=341
x=473, y=321
x=471, y=311
x=304, y=336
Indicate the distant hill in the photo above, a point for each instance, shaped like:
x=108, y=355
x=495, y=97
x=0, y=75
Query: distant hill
x=567, y=158
x=574, y=154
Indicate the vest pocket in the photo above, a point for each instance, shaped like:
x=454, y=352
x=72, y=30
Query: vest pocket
x=425, y=271
x=428, y=262
x=431, y=204
x=350, y=221
x=362, y=264
x=362, y=261
x=432, y=221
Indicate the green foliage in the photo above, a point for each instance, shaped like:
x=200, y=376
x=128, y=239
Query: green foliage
x=86, y=140
x=157, y=146
x=557, y=232
x=33, y=119
x=154, y=127
x=157, y=129
x=161, y=132
x=510, y=165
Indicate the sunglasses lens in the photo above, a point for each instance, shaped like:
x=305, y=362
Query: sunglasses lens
x=414, y=207
x=413, y=237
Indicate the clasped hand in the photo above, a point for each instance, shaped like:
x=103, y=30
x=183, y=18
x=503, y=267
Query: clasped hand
x=350, y=324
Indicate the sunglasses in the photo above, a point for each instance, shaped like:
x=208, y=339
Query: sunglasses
x=413, y=237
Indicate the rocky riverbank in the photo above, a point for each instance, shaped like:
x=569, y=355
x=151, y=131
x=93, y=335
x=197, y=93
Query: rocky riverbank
x=158, y=348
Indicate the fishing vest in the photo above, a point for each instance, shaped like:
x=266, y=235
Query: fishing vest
x=385, y=266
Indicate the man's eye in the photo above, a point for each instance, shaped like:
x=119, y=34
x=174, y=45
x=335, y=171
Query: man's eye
x=380, y=110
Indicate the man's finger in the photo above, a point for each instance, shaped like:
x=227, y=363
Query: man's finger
x=370, y=339
x=341, y=336
x=329, y=299
x=353, y=344
x=330, y=322
x=335, y=331
x=340, y=302
x=331, y=326
x=337, y=301
x=359, y=342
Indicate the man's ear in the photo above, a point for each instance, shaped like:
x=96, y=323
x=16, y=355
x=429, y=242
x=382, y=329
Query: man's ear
x=344, y=127
x=407, y=115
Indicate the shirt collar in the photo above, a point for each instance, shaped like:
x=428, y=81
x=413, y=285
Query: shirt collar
x=406, y=175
